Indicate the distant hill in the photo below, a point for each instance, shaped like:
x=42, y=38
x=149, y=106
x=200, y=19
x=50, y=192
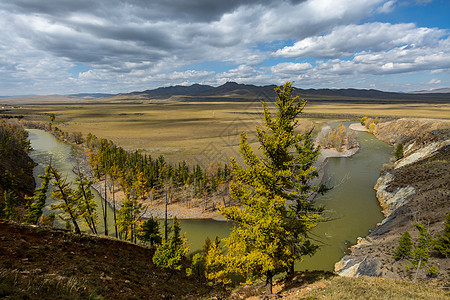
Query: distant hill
x=167, y=92
x=445, y=90
x=232, y=91
x=235, y=92
x=90, y=95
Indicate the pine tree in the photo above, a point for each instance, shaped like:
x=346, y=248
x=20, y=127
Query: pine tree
x=86, y=202
x=405, y=246
x=172, y=251
x=442, y=242
x=10, y=201
x=128, y=216
x=34, y=210
x=149, y=232
x=274, y=216
x=421, y=253
x=69, y=204
x=399, y=151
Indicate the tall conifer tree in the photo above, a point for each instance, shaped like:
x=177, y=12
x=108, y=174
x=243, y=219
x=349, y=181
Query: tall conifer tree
x=69, y=204
x=273, y=216
x=37, y=201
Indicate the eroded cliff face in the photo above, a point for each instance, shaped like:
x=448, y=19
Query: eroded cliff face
x=414, y=188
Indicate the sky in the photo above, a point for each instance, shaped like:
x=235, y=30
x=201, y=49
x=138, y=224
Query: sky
x=115, y=46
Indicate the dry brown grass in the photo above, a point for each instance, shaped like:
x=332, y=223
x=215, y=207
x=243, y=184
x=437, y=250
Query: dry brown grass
x=423, y=110
x=195, y=132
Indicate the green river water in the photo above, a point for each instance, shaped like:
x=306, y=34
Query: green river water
x=352, y=200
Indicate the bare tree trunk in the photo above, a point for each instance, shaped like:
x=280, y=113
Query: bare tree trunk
x=290, y=271
x=417, y=271
x=269, y=283
x=165, y=219
x=105, y=212
x=114, y=208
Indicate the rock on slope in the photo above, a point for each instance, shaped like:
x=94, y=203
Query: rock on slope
x=414, y=188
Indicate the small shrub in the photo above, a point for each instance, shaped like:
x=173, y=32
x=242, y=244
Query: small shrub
x=368, y=122
x=363, y=121
x=399, y=151
x=198, y=267
x=432, y=272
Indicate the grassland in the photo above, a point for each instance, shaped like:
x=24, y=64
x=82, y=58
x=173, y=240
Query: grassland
x=326, y=285
x=196, y=132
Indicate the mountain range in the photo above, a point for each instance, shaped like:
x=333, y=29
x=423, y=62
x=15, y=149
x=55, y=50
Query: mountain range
x=235, y=92
x=232, y=91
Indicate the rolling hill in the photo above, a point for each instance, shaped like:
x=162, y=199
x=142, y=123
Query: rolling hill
x=232, y=91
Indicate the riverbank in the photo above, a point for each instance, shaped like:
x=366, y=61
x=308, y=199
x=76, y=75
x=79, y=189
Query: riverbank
x=415, y=188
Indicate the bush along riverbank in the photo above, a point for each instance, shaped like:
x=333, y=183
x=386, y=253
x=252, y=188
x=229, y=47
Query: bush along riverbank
x=413, y=189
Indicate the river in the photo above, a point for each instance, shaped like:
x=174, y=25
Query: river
x=352, y=201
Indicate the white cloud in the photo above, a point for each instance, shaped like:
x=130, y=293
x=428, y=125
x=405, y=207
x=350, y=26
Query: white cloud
x=290, y=68
x=348, y=39
x=243, y=73
x=434, y=81
x=387, y=7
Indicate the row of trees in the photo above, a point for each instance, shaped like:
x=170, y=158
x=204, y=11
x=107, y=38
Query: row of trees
x=144, y=177
x=75, y=203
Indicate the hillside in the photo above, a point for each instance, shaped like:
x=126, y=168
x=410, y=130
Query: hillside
x=44, y=263
x=53, y=264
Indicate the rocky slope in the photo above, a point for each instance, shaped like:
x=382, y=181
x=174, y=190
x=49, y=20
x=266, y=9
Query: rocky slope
x=414, y=188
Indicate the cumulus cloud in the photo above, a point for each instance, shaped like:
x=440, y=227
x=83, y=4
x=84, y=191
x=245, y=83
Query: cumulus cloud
x=243, y=73
x=290, y=68
x=138, y=44
x=346, y=40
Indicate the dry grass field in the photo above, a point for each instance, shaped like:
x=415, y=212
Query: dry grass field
x=196, y=132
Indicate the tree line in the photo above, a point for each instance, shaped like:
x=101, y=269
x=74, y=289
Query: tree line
x=141, y=175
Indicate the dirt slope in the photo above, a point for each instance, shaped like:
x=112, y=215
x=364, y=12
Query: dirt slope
x=54, y=264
